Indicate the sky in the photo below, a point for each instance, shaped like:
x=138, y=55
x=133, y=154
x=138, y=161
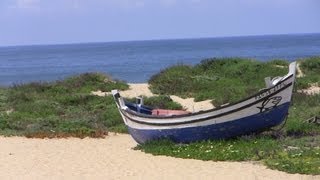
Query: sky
x=24, y=22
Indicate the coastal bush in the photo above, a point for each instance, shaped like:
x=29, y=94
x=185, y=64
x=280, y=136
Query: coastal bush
x=3, y=99
x=311, y=70
x=61, y=108
x=220, y=79
x=311, y=65
x=174, y=80
x=162, y=102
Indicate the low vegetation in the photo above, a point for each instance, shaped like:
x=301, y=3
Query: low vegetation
x=61, y=108
x=293, y=155
x=223, y=80
x=311, y=71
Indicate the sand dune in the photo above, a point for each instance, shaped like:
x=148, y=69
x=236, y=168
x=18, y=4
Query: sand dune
x=113, y=158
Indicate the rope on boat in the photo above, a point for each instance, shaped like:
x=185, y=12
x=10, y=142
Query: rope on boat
x=314, y=120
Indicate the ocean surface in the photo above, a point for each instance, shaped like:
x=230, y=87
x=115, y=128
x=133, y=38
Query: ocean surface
x=137, y=61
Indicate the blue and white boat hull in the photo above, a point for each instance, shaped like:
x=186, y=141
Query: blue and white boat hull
x=261, y=111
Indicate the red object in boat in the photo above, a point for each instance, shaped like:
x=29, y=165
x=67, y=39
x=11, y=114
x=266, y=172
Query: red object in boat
x=166, y=112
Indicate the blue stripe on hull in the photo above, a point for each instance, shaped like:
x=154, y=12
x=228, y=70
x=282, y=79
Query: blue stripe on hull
x=229, y=129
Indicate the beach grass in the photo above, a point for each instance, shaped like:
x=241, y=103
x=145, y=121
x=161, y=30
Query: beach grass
x=61, y=109
x=224, y=80
x=311, y=70
x=303, y=108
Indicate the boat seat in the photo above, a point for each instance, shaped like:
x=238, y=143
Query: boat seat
x=166, y=112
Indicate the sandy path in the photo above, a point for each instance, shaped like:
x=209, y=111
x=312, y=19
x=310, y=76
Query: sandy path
x=134, y=90
x=137, y=90
x=113, y=158
x=313, y=89
x=190, y=105
x=300, y=73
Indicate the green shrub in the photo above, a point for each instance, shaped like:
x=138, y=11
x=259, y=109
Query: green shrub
x=220, y=79
x=61, y=108
x=311, y=70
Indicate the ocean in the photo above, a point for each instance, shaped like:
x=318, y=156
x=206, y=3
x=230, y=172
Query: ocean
x=137, y=61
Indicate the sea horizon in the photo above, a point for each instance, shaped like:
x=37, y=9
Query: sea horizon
x=160, y=39
x=137, y=61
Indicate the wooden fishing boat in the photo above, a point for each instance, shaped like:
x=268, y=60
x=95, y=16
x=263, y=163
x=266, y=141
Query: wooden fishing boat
x=263, y=110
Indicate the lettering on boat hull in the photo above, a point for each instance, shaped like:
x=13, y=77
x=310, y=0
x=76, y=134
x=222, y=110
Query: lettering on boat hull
x=270, y=91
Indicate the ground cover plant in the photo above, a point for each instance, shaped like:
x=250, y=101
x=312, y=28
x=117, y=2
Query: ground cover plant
x=61, y=108
x=293, y=155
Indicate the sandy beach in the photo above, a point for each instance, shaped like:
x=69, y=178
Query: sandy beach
x=114, y=158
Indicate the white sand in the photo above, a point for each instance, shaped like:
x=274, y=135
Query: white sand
x=134, y=90
x=137, y=90
x=100, y=93
x=113, y=158
x=300, y=73
x=312, y=90
x=190, y=105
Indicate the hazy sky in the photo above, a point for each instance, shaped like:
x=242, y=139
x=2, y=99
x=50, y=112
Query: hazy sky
x=71, y=21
